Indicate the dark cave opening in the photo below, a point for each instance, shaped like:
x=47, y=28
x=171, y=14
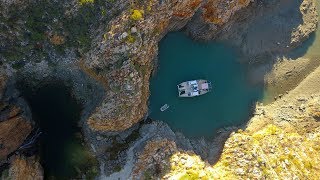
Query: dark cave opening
x=61, y=148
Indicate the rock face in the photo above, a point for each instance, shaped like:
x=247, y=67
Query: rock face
x=23, y=168
x=219, y=12
x=123, y=49
x=13, y=131
x=265, y=30
x=280, y=142
x=154, y=159
x=14, y=128
x=261, y=155
x=123, y=59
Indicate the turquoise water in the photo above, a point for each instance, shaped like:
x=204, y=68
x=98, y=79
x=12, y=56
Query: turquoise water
x=229, y=103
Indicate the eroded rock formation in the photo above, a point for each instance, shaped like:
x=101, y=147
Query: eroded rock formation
x=25, y=168
x=121, y=59
x=125, y=56
x=14, y=128
x=280, y=142
x=219, y=12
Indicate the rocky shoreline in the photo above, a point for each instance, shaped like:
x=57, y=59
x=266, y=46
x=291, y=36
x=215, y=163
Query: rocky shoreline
x=111, y=80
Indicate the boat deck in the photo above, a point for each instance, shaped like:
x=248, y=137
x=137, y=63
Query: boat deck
x=194, y=88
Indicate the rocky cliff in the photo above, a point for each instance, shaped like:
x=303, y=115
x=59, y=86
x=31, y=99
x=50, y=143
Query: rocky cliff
x=25, y=168
x=119, y=53
x=123, y=58
x=280, y=142
x=114, y=44
x=14, y=127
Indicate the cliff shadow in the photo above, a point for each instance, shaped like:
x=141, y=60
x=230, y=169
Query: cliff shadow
x=267, y=33
x=261, y=33
x=57, y=115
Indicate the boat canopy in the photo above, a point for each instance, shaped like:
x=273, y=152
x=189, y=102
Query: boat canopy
x=194, y=82
x=193, y=88
x=205, y=86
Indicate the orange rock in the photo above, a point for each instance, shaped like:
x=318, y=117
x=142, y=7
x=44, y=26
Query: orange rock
x=219, y=12
x=25, y=168
x=57, y=39
x=12, y=134
x=187, y=8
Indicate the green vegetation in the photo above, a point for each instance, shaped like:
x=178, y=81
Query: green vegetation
x=17, y=65
x=85, y=163
x=131, y=39
x=4, y=174
x=147, y=175
x=117, y=168
x=118, y=147
x=82, y=2
x=142, y=69
x=46, y=18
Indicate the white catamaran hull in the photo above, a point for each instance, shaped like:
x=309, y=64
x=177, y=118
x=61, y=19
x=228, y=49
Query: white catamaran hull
x=194, y=88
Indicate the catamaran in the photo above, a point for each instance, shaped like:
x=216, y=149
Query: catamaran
x=194, y=88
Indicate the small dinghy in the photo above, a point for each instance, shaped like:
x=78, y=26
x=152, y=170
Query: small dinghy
x=164, y=107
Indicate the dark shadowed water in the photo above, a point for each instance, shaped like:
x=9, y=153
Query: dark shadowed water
x=57, y=113
x=229, y=103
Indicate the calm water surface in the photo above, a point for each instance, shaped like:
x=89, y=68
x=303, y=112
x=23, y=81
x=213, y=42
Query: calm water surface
x=229, y=103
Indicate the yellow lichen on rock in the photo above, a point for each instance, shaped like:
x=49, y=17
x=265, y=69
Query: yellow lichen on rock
x=270, y=153
x=313, y=108
x=188, y=166
x=136, y=14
